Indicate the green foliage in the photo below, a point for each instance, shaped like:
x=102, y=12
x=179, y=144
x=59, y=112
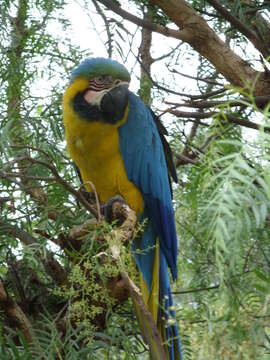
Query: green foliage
x=87, y=284
x=224, y=225
x=88, y=301
x=222, y=201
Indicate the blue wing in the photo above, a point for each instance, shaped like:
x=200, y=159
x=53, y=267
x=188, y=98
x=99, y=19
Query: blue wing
x=145, y=165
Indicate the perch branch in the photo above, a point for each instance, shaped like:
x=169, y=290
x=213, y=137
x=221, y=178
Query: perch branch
x=127, y=229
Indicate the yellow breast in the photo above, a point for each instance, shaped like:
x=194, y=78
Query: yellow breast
x=95, y=148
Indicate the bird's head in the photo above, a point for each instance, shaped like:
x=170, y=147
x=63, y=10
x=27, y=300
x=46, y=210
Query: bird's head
x=98, y=90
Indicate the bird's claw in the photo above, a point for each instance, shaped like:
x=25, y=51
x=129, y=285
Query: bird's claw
x=107, y=209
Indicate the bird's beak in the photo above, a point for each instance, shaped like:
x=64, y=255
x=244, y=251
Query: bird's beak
x=114, y=102
x=94, y=97
x=109, y=103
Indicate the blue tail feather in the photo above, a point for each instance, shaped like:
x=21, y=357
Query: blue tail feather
x=172, y=335
x=144, y=257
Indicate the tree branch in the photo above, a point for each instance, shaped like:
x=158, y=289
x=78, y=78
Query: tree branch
x=230, y=118
x=206, y=104
x=206, y=80
x=237, y=24
x=163, y=30
x=185, y=159
x=192, y=114
x=14, y=314
x=95, y=210
x=190, y=291
x=205, y=41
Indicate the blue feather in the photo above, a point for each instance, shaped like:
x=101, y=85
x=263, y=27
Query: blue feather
x=145, y=165
x=171, y=331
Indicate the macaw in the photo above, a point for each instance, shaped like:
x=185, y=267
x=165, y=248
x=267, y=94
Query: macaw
x=118, y=144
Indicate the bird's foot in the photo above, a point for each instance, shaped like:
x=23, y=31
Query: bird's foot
x=110, y=212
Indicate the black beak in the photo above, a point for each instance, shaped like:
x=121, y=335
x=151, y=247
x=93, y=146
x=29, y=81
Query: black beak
x=114, y=103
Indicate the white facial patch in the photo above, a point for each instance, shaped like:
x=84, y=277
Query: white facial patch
x=94, y=97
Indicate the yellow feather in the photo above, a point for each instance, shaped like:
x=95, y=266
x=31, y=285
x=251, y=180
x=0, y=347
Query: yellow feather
x=94, y=147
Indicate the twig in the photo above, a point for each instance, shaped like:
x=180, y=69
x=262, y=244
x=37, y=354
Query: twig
x=77, y=194
x=193, y=114
x=158, y=86
x=107, y=27
x=243, y=102
x=189, y=291
x=208, y=94
x=228, y=117
x=163, y=30
x=237, y=24
x=96, y=200
x=208, y=81
x=53, y=268
x=164, y=56
x=185, y=159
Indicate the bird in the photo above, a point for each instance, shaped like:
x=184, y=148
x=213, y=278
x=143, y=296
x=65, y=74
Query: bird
x=118, y=144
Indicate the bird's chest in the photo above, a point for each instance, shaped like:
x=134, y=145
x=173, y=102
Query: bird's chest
x=95, y=149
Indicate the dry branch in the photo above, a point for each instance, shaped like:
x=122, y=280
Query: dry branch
x=121, y=286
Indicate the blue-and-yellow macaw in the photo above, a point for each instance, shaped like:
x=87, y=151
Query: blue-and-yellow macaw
x=117, y=144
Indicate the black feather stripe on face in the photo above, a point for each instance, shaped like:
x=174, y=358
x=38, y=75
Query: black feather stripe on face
x=86, y=111
x=101, y=83
x=110, y=110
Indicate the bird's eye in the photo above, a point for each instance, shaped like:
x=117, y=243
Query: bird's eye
x=100, y=78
